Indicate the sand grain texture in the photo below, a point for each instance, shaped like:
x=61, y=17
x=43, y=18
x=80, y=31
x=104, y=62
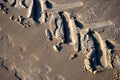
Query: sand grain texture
x=26, y=53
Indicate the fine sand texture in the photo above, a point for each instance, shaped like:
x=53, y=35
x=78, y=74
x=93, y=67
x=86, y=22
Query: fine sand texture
x=59, y=39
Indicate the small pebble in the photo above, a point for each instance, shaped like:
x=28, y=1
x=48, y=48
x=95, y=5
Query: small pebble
x=12, y=17
x=56, y=48
x=73, y=56
x=94, y=72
